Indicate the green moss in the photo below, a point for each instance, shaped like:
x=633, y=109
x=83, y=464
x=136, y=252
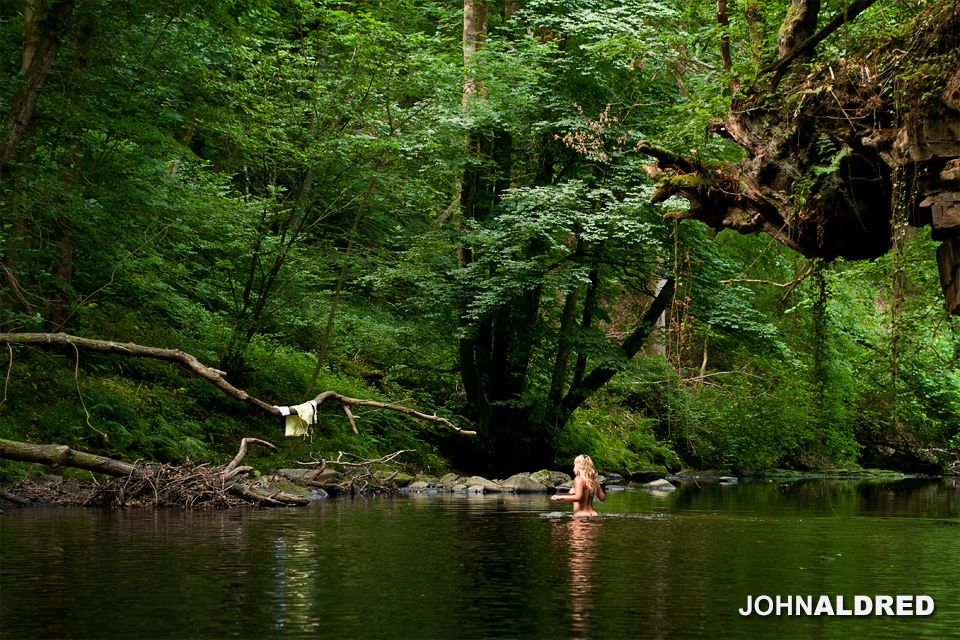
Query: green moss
x=83, y=475
x=671, y=185
x=400, y=477
x=289, y=487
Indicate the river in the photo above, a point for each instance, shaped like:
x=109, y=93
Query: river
x=431, y=565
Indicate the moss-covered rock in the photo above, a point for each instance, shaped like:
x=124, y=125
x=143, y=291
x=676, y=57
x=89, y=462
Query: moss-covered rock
x=523, y=483
x=82, y=475
x=545, y=477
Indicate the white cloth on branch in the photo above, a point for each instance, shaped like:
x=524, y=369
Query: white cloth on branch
x=301, y=419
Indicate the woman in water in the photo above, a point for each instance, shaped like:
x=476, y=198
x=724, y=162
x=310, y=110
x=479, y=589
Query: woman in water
x=586, y=486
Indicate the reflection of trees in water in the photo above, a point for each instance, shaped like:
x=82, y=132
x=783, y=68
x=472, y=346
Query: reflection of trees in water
x=874, y=496
x=580, y=537
x=909, y=497
x=824, y=496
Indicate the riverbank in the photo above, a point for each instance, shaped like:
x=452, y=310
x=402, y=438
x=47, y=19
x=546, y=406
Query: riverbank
x=76, y=487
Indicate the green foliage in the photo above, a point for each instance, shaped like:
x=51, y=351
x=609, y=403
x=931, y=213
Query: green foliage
x=616, y=438
x=199, y=175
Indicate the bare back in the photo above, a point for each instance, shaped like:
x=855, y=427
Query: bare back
x=582, y=497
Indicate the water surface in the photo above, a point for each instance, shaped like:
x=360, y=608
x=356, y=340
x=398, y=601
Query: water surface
x=674, y=565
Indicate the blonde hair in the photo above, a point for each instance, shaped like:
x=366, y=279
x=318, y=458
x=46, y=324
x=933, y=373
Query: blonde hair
x=583, y=466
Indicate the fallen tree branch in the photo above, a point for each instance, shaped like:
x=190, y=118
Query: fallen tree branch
x=227, y=475
x=59, y=455
x=15, y=499
x=213, y=375
x=357, y=402
x=364, y=462
x=276, y=497
x=353, y=422
x=368, y=474
x=135, y=350
x=159, y=485
x=243, y=452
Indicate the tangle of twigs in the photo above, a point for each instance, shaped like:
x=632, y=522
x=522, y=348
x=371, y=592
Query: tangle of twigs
x=360, y=475
x=166, y=485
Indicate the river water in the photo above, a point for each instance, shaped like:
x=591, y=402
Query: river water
x=670, y=565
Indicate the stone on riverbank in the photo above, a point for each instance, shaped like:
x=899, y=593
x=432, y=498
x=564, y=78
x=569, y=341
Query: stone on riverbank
x=550, y=478
x=488, y=485
x=523, y=484
x=325, y=479
x=448, y=481
x=659, y=485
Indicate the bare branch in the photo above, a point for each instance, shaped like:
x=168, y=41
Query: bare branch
x=213, y=375
x=243, y=452
x=353, y=423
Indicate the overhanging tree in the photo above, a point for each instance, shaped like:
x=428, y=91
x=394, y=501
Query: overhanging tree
x=835, y=146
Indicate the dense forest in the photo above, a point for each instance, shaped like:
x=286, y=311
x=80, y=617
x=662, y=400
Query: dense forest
x=667, y=233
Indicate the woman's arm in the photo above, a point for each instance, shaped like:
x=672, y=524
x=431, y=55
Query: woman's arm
x=575, y=494
x=600, y=494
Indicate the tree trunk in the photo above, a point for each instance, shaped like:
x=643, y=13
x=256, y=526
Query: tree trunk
x=62, y=277
x=633, y=343
x=948, y=263
x=658, y=348
x=567, y=326
x=757, y=28
x=799, y=24
x=589, y=304
x=41, y=45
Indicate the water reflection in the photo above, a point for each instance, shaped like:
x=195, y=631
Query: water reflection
x=659, y=494
x=579, y=538
x=445, y=565
x=295, y=592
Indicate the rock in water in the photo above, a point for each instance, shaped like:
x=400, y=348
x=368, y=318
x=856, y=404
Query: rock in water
x=660, y=485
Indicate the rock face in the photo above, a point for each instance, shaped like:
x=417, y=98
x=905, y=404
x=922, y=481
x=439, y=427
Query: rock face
x=928, y=146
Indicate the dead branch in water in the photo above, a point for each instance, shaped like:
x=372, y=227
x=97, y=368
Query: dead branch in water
x=14, y=498
x=150, y=484
x=364, y=475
